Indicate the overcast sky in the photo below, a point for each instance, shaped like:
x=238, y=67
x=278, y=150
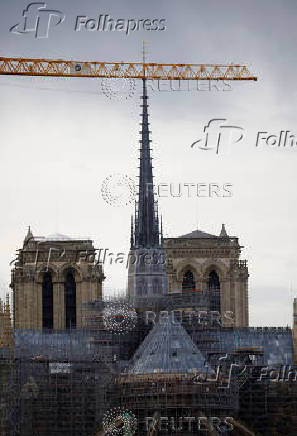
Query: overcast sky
x=61, y=138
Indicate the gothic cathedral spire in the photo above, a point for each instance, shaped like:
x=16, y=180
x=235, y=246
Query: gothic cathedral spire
x=146, y=231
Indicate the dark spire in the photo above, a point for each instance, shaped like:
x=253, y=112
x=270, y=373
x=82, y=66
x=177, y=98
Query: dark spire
x=146, y=217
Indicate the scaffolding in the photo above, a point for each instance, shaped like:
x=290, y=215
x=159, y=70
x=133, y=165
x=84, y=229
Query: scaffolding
x=55, y=383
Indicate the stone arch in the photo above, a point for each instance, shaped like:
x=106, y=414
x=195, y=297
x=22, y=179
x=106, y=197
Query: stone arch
x=188, y=271
x=185, y=265
x=74, y=268
x=216, y=272
x=216, y=265
x=44, y=268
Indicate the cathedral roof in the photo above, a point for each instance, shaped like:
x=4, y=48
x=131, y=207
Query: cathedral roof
x=198, y=234
x=58, y=237
x=168, y=349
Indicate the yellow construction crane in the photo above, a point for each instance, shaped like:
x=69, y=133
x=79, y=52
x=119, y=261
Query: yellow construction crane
x=129, y=70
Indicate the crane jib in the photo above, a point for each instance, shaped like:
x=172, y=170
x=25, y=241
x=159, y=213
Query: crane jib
x=133, y=70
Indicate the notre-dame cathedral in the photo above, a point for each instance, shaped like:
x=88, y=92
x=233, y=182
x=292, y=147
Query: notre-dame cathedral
x=73, y=363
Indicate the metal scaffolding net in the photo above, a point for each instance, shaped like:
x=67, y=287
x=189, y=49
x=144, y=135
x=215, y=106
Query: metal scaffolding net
x=155, y=371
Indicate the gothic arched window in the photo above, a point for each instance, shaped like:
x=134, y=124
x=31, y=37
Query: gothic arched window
x=188, y=282
x=215, y=295
x=47, y=301
x=70, y=300
x=213, y=280
x=156, y=286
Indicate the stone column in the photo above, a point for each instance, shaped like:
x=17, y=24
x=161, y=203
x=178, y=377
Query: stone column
x=226, y=304
x=59, y=305
x=81, y=298
x=37, y=304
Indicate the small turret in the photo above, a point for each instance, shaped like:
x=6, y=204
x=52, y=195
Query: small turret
x=29, y=236
x=223, y=233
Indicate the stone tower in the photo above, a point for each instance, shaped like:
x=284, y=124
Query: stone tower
x=199, y=262
x=52, y=279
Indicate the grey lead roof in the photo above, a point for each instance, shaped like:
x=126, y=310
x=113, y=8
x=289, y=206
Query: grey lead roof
x=198, y=234
x=168, y=349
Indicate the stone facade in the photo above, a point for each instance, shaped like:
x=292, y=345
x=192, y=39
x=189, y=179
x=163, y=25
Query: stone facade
x=52, y=279
x=213, y=264
x=295, y=330
x=147, y=273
